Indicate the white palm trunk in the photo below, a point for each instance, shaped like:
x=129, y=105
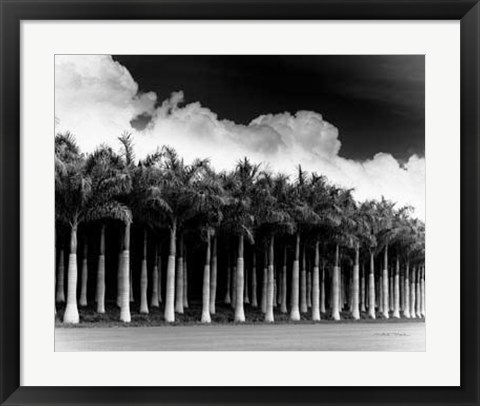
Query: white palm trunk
x=213, y=276
x=391, y=294
x=412, y=295
x=371, y=288
x=336, y=287
x=402, y=293
x=155, y=283
x=246, y=297
x=283, y=300
x=264, y=283
x=355, y=285
x=100, y=291
x=406, y=310
x=83, y=289
x=418, y=296
x=159, y=263
x=154, y=297
x=254, y=280
x=396, y=304
x=380, y=293
x=179, y=276
x=144, y=278
x=274, y=288
x=269, y=318
x=303, y=284
x=185, y=279
x=294, y=309
x=239, y=313
x=169, y=312
x=125, y=278
x=119, y=276
x=363, y=308
x=422, y=292
x=234, y=286
x=206, y=283
x=316, y=284
x=60, y=293
x=322, y=291
x=71, y=311
x=386, y=304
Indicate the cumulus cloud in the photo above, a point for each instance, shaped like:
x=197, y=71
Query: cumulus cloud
x=97, y=98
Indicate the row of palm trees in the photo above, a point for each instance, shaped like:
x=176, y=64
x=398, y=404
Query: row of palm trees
x=304, y=240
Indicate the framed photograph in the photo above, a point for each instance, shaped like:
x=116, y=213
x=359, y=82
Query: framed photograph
x=239, y=203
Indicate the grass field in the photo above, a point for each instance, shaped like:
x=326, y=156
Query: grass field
x=150, y=333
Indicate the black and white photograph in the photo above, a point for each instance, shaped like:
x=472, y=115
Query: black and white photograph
x=240, y=203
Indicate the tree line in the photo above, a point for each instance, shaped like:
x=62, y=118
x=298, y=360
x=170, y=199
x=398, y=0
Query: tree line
x=301, y=244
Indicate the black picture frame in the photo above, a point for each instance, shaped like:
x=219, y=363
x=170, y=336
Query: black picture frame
x=14, y=11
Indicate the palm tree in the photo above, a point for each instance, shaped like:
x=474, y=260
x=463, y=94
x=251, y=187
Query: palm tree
x=272, y=219
x=387, y=231
x=170, y=195
x=238, y=220
x=72, y=198
x=302, y=215
x=208, y=203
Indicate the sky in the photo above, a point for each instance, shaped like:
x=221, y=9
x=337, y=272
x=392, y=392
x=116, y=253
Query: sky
x=359, y=120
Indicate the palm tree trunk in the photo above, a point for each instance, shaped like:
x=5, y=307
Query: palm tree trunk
x=131, y=284
x=179, y=276
x=336, y=287
x=125, y=278
x=206, y=284
x=228, y=299
x=363, y=309
x=316, y=285
x=155, y=282
x=254, y=280
x=422, y=291
x=396, y=304
x=294, y=310
x=234, y=286
x=185, y=278
x=406, y=310
x=283, y=301
x=412, y=295
x=71, y=311
x=60, y=294
x=385, y=284
x=144, y=278
x=83, y=289
x=274, y=287
x=371, y=288
x=159, y=263
x=402, y=292
x=246, y=297
x=119, y=276
x=392, y=290
x=303, y=283
x=270, y=288
x=239, y=313
x=309, y=288
x=264, y=281
x=418, y=301
x=100, y=292
x=213, y=276
x=169, y=313
x=322, y=291
x=355, y=299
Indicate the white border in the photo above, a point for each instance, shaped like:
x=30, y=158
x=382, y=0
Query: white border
x=439, y=365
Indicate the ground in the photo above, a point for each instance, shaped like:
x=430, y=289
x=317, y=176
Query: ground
x=102, y=333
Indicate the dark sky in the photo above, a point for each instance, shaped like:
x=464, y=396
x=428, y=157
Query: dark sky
x=376, y=102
